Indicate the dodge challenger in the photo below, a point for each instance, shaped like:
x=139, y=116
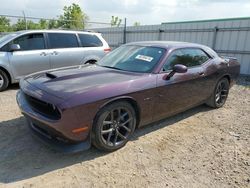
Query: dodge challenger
x=138, y=83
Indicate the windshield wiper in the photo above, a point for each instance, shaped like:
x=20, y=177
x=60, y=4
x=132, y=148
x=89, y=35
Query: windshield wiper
x=110, y=67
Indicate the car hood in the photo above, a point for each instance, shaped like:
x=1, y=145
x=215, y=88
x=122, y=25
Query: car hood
x=65, y=83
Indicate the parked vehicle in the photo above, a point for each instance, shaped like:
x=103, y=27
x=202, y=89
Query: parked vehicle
x=132, y=86
x=26, y=52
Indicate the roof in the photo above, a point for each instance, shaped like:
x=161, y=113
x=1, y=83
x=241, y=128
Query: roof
x=174, y=44
x=5, y=39
x=165, y=44
x=52, y=31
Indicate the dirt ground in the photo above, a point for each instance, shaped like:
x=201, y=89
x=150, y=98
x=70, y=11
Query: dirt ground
x=201, y=147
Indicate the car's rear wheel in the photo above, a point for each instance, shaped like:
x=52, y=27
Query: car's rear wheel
x=220, y=94
x=114, y=126
x=4, y=80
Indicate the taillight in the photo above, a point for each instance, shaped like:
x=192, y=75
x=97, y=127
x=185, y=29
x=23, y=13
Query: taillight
x=106, y=50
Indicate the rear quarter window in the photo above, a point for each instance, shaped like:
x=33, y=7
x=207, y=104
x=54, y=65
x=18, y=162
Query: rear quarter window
x=88, y=40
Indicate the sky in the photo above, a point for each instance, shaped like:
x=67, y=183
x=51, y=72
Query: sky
x=147, y=12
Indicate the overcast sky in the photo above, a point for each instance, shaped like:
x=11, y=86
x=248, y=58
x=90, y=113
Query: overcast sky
x=144, y=11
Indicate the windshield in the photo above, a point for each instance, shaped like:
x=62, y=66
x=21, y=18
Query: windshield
x=7, y=37
x=133, y=58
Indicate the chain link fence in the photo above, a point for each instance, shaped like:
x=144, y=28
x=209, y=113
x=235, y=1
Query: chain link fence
x=17, y=22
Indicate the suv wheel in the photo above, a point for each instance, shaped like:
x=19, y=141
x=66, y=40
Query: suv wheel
x=4, y=80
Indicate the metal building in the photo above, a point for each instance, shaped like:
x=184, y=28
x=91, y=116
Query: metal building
x=229, y=37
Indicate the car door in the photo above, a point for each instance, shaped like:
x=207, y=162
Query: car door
x=32, y=57
x=64, y=50
x=183, y=90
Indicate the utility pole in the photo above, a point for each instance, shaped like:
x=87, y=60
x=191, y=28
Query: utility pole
x=26, y=26
x=125, y=31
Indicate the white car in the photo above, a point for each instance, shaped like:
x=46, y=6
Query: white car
x=26, y=52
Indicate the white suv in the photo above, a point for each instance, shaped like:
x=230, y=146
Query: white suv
x=26, y=52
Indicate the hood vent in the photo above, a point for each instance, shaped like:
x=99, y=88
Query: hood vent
x=52, y=76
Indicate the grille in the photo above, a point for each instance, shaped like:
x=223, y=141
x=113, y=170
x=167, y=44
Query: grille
x=46, y=109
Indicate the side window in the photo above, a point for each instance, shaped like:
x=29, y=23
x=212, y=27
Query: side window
x=62, y=40
x=189, y=57
x=174, y=58
x=5, y=48
x=30, y=42
x=194, y=57
x=88, y=40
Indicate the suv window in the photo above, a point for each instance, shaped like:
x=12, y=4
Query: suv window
x=5, y=48
x=28, y=42
x=63, y=40
x=88, y=40
x=189, y=57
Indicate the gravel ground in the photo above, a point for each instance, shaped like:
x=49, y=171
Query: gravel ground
x=201, y=147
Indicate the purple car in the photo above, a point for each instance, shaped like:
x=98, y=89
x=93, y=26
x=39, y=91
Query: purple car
x=136, y=84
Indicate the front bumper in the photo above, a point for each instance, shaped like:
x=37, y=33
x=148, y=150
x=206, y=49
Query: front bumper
x=45, y=131
x=58, y=143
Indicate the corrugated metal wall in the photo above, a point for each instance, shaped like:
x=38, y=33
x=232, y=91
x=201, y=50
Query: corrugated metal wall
x=229, y=37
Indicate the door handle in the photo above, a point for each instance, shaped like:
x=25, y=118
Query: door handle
x=43, y=54
x=54, y=53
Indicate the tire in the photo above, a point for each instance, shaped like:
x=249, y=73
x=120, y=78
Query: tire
x=220, y=94
x=4, y=80
x=110, y=134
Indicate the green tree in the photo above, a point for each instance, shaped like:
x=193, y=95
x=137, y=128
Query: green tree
x=33, y=25
x=53, y=24
x=20, y=25
x=115, y=21
x=73, y=17
x=43, y=24
x=137, y=24
x=4, y=24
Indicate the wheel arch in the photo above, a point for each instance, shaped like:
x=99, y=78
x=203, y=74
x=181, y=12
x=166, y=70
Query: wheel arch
x=7, y=73
x=90, y=58
x=90, y=61
x=227, y=76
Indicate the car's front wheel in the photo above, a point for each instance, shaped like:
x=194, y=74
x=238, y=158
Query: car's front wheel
x=220, y=94
x=4, y=81
x=114, y=126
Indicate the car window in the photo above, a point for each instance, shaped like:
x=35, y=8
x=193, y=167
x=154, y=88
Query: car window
x=29, y=42
x=173, y=59
x=133, y=58
x=189, y=57
x=5, y=48
x=62, y=40
x=88, y=40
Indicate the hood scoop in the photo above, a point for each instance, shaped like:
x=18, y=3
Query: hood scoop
x=52, y=76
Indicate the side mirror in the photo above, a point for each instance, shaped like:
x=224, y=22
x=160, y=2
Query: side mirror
x=178, y=68
x=15, y=47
